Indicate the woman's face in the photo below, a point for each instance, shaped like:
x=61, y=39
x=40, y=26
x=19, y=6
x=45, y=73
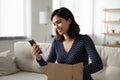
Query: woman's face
x=61, y=24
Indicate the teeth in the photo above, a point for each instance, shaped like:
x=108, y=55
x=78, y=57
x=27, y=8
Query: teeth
x=59, y=30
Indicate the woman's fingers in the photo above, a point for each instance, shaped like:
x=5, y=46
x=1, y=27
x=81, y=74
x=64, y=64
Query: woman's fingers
x=36, y=51
x=35, y=48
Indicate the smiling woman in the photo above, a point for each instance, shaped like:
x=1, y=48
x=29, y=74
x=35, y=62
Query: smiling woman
x=70, y=47
x=82, y=10
x=13, y=19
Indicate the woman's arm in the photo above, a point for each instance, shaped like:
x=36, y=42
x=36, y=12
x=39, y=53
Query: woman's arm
x=51, y=57
x=96, y=62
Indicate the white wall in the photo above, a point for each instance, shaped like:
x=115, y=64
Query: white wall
x=39, y=30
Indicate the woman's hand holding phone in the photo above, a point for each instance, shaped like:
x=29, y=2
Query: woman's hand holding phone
x=36, y=50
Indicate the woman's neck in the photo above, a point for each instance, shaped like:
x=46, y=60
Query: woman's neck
x=67, y=38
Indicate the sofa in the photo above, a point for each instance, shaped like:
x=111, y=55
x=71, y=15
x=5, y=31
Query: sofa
x=22, y=65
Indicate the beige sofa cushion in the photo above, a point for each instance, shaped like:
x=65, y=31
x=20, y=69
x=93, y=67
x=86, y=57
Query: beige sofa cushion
x=25, y=59
x=111, y=63
x=113, y=56
x=7, y=64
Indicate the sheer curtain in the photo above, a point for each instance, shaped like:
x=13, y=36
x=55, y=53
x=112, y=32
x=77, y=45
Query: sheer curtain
x=82, y=11
x=15, y=18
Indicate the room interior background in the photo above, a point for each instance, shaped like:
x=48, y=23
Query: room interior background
x=38, y=30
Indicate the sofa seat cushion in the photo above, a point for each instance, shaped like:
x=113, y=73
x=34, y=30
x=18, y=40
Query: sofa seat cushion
x=24, y=76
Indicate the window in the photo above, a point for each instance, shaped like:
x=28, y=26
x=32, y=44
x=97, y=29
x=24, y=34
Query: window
x=82, y=11
x=15, y=18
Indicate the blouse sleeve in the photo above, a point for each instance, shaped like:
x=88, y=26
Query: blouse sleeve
x=52, y=54
x=96, y=62
x=51, y=57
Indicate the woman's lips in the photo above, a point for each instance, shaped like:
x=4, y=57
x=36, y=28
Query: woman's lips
x=59, y=30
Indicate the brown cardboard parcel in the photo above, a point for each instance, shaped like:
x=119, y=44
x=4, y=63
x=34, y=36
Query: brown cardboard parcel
x=65, y=71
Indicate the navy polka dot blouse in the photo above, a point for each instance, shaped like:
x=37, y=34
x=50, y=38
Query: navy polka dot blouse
x=82, y=49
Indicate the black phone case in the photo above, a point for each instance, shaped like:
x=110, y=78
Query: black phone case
x=33, y=42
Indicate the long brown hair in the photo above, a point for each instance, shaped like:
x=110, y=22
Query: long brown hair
x=73, y=30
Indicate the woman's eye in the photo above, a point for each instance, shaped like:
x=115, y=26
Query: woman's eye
x=58, y=22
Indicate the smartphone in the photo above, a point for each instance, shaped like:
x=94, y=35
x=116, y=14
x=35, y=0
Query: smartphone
x=33, y=42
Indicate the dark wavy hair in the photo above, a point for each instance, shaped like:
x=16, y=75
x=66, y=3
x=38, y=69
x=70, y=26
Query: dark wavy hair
x=65, y=13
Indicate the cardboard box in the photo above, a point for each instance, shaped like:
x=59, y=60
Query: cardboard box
x=65, y=71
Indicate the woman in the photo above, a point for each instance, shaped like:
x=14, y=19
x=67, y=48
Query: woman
x=70, y=47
